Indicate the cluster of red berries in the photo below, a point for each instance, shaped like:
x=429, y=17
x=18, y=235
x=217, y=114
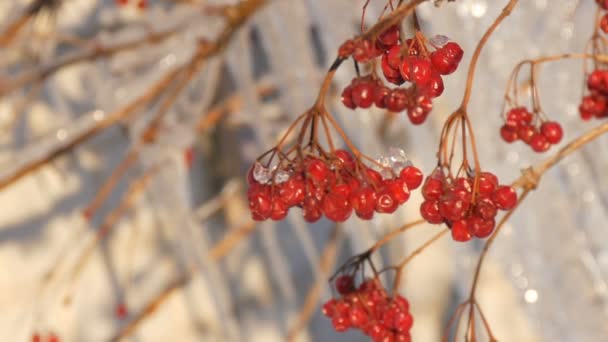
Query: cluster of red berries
x=140, y=4
x=365, y=91
x=333, y=186
x=409, y=61
x=604, y=21
x=519, y=125
x=452, y=202
x=50, y=337
x=370, y=309
x=595, y=105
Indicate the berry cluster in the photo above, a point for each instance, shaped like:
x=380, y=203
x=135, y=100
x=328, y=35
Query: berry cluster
x=466, y=211
x=50, y=337
x=401, y=62
x=334, y=185
x=370, y=309
x=595, y=105
x=520, y=125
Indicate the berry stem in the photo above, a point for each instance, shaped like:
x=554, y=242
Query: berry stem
x=473, y=65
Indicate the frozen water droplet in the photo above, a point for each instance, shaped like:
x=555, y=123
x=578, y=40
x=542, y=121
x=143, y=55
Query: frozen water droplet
x=261, y=174
x=281, y=176
x=439, y=40
x=383, y=166
x=398, y=159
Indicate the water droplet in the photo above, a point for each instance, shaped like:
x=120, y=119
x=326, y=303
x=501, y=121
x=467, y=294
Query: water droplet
x=261, y=174
x=439, y=40
x=281, y=176
x=398, y=159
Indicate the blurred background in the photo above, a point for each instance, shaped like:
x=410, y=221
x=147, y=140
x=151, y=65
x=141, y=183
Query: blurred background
x=122, y=175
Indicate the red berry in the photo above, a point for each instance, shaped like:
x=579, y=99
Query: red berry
x=336, y=207
x=347, y=97
x=390, y=36
x=552, y=131
x=396, y=101
x=525, y=133
x=539, y=143
x=386, y=203
x=434, y=87
x=345, y=284
x=460, y=231
x=505, y=197
x=452, y=207
x=329, y=308
x=417, y=70
x=311, y=210
x=403, y=322
x=429, y=210
x=317, y=170
x=432, y=189
x=279, y=209
x=446, y=59
x=363, y=94
x=393, y=57
x=363, y=201
x=340, y=323
x=485, y=209
x=36, y=338
x=380, y=96
x=487, y=183
x=508, y=134
x=412, y=176
x=358, y=317
x=604, y=23
x=260, y=203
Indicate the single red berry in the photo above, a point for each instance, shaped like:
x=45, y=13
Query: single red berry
x=260, y=204
x=336, y=207
x=604, y=23
x=432, y=188
x=36, y=338
x=525, y=133
x=347, y=97
x=329, y=307
x=508, y=133
x=446, y=59
x=399, y=190
x=341, y=323
x=345, y=284
x=311, y=209
x=552, y=131
x=317, y=170
x=386, y=203
x=602, y=3
x=393, y=57
x=358, y=317
x=483, y=228
x=412, y=176
x=487, y=182
x=539, y=143
x=388, y=71
x=279, y=209
x=403, y=322
x=417, y=70
x=429, y=210
x=363, y=94
x=434, y=87
x=460, y=232
x=486, y=209
x=390, y=36
x=452, y=208
x=363, y=201
x=396, y=101
x=505, y=197
x=380, y=96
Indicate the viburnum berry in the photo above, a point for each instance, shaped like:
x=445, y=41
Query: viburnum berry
x=466, y=205
x=602, y=3
x=333, y=185
x=604, y=23
x=519, y=125
x=371, y=310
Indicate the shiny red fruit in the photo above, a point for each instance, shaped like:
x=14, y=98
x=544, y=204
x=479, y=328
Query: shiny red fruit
x=505, y=197
x=552, y=131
